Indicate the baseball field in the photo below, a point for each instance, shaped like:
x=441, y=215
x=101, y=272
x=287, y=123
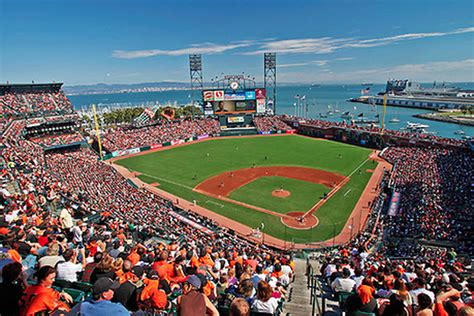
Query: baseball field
x=255, y=180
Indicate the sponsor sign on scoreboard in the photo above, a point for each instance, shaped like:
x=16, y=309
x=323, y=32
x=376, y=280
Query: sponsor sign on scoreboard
x=219, y=95
x=260, y=105
x=249, y=95
x=260, y=93
x=237, y=96
x=235, y=119
x=208, y=95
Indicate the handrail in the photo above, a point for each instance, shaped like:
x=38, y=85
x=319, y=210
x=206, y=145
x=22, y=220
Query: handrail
x=315, y=290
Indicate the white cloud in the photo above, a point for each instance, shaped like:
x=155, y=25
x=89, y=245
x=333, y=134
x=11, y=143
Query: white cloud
x=320, y=63
x=455, y=71
x=292, y=65
x=344, y=58
x=203, y=48
x=321, y=45
x=325, y=45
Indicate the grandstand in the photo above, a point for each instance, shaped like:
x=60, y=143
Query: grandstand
x=67, y=214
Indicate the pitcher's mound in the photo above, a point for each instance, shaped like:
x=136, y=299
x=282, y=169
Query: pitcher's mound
x=281, y=193
x=296, y=220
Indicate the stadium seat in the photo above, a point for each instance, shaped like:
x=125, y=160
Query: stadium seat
x=83, y=286
x=77, y=295
x=62, y=283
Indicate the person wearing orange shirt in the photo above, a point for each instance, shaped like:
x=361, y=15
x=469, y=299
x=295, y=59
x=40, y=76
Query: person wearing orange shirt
x=42, y=297
x=152, y=297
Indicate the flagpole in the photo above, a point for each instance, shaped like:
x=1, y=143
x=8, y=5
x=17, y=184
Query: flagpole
x=384, y=111
x=97, y=130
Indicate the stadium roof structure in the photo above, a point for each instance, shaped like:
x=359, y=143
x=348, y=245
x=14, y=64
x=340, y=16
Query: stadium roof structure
x=27, y=87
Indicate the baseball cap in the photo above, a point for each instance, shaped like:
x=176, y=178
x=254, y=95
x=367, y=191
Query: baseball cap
x=104, y=284
x=138, y=271
x=194, y=281
x=153, y=274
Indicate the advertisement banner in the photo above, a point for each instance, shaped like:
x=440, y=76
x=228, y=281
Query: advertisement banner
x=156, y=146
x=394, y=202
x=260, y=105
x=203, y=136
x=235, y=119
x=208, y=95
x=235, y=96
x=249, y=95
x=260, y=94
x=134, y=151
x=177, y=142
x=291, y=131
x=219, y=95
x=192, y=223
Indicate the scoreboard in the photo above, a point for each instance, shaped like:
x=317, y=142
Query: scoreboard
x=222, y=102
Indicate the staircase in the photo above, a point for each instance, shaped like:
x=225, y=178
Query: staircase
x=298, y=303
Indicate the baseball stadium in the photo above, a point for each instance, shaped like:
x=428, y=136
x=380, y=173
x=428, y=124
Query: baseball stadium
x=229, y=204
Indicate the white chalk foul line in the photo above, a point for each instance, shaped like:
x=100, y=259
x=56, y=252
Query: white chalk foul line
x=215, y=203
x=169, y=181
x=345, y=194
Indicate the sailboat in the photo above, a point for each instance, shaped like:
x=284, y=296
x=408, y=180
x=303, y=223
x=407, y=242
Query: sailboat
x=395, y=119
x=329, y=112
x=346, y=115
x=336, y=110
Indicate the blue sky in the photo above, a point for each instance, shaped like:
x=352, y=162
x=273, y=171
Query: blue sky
x=118, y=41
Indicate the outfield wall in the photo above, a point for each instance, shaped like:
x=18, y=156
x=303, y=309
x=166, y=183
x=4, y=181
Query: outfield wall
x=363, y=138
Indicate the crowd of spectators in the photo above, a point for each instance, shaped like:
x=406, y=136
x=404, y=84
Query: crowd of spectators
x=134, y=256
x=50, y=140
x=435, y=193
x=374, y=129
x=270, y=124
x=406, y=263
x=34, y=103
x=372, y=283
x=125, y=138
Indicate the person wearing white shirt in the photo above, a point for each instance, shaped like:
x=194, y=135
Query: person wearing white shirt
x=344, y=283
x=68, y=270
x=264, y=302
x=420, y=288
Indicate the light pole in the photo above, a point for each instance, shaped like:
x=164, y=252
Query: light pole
x=297, y=97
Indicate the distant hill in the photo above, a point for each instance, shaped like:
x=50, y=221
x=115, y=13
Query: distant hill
x=100, y=88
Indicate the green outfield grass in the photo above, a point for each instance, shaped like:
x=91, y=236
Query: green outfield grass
x=180, y=169
x=259, y=193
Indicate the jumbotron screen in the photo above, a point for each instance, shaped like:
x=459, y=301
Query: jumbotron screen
x=230, y=102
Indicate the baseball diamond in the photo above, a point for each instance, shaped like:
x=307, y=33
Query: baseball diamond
x=235, y=177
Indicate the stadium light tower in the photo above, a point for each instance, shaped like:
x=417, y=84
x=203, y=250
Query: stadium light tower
x=195, y=70
x=269, y=64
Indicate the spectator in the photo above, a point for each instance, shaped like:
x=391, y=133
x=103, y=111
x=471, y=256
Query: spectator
x=344, y=283
x=68, y=270
x=52, y=256
x=265, y=303
x=41, y=297
x=192, y=302
x=100, y=304
x=11, y=289
x=239, y=307
x=128, y=293
x=424, y=305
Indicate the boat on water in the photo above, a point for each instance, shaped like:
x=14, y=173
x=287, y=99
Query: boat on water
x=394, y=120
x=459, y=132
x=367, y=84
x=417, y=128
x=347, y=115
x=365, y=120
x=323, y=115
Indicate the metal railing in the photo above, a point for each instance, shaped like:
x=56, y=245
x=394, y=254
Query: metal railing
x=317, y=307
